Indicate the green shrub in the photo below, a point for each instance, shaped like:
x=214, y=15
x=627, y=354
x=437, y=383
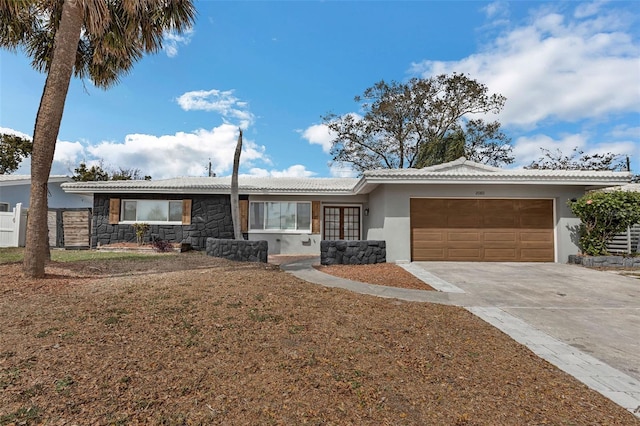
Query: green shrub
x=603, y=215
x=141, y=229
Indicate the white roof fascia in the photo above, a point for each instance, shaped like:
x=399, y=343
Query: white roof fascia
x=242, y=191
x=175, y=187
x=629, y=187
x=529, y=180
x=14, y=180
x=587, y=180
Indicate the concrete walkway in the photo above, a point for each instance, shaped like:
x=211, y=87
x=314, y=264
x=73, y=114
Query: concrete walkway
x=585, y=322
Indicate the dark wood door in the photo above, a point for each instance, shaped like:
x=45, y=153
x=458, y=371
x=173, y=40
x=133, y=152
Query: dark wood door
x=341, y=223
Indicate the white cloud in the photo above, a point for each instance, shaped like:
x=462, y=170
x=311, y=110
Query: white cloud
x=66, y=157
x=584, y=10
x=624, y=131
x=555, y=68
x=181, y=154
x=296, y=170
x=220, y=101
x=319, y=134
x=167, y=156
x=496, y=9
x=342, y=170
x=172, y=41
x=528, y=148
x=69, y=152
x=9, y=131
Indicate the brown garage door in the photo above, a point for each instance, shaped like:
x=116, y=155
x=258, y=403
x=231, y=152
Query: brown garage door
x=482, y=230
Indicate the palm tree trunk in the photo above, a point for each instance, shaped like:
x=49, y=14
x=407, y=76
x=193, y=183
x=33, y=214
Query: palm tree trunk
x=235, y=203
x=45, y=135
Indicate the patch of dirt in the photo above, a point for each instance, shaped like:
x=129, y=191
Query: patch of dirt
x=189, y=339
x=388, y=274
x=146, y=247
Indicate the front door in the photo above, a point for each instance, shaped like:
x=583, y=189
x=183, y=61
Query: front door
x=341, y=223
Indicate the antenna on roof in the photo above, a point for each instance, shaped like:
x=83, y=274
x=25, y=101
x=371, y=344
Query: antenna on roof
x=211, y=174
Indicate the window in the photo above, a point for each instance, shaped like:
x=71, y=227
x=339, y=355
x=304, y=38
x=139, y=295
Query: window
x=280, y=216
x=4, y=207
x=152, y=211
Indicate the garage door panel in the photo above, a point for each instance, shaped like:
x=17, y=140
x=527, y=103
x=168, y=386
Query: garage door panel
x=534, y=205
x=436, y=221
x=433, y=213
x=464, y=254
x=497, y=221
x=537, y=255
x=432, y=253
x=428, y=235
x=504, y=236
x=500, y=254
x=462, y=205
x=530, y=222
x=463, y=236
x=464, y=214
x=464, y=220
x=536, y=237
x=482, y=230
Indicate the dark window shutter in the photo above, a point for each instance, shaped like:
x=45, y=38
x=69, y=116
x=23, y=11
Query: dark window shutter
x=186, y=212
x=114, y=211
x=244, y=216
x=315, y=217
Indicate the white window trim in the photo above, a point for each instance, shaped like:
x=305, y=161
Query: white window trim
x=148, y=222
x=281, y=231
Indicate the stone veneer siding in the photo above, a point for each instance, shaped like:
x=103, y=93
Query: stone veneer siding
x=606, y=261
x=210, y=217
x=240, y=250
x=361, y=252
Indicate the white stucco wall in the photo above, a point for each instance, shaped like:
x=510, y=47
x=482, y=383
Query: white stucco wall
x=389, y=212
x=291, y=243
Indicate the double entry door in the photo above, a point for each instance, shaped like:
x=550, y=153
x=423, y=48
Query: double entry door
x=341, y=223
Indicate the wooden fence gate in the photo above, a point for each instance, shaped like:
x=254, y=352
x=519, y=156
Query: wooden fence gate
x=70, y=228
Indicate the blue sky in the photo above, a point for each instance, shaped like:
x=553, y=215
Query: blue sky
x=570, y=71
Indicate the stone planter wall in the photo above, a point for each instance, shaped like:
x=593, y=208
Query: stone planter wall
x=359, y=252
x=606, y=261
x=239, y=250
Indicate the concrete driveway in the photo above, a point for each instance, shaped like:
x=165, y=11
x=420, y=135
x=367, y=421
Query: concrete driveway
x=596, y=312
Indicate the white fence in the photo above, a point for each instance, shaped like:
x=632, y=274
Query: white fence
x=13, y=227
x=626, y=242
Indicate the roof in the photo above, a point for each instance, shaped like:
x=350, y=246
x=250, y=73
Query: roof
x=466, y=171
x=9, y=180
x=631, y=187
x=221, y=185
x=460, y=171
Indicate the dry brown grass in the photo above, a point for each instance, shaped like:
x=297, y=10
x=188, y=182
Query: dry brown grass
x=188, y=339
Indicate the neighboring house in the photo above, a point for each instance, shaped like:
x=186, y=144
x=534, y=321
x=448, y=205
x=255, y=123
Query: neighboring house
x=69, y=214
x=455, y=211
x=15, y=189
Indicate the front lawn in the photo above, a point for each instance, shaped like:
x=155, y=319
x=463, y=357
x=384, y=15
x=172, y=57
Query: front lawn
x=16, y=254
x=188, y=339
